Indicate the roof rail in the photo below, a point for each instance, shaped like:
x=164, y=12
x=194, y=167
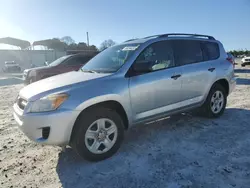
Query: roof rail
x=151, y=36
x=186, y=34
x=130, y=40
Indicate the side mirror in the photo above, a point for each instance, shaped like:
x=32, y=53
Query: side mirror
x=46, y=63
x=142, y=66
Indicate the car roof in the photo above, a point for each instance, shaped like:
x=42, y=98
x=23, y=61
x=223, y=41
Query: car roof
x=9, y=62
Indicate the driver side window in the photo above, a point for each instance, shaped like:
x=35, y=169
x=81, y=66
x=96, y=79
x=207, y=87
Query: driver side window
x=158, y=56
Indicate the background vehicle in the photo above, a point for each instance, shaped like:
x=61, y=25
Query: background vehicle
x=245, y=61
x=11, y=66
x=64, y=64
x=134, y=82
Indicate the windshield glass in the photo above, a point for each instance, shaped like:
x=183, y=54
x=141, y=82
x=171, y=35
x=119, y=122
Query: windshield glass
x=59, y=60
x=10, y=63
x=111, y=59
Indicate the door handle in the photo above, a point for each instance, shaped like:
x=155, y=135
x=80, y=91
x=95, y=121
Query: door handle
x=211, y=69
x=175, y=77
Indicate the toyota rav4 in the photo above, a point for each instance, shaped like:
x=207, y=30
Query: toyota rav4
x=134, y=82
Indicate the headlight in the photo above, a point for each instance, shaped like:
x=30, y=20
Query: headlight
x=48, y=103
x=32, y=73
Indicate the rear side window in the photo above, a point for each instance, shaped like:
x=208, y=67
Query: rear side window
x=211, y=50
x=187, y=52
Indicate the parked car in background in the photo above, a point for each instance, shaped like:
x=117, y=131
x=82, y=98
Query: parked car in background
x=11, y=66
x=245, y=61
x=135, y=82
x=63, y=64
x=231, y=58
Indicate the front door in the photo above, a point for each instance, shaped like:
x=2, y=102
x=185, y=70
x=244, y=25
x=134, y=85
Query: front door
x=157, y=91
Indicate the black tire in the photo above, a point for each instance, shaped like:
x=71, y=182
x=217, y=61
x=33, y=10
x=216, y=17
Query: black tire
x=206, y=110
x=82, y=125
x=243, y=65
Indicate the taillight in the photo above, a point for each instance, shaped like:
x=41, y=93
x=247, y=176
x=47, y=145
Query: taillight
x=230, y=60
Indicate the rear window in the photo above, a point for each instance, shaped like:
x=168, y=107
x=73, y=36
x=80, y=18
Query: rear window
x=187, y=51
x=211, y=50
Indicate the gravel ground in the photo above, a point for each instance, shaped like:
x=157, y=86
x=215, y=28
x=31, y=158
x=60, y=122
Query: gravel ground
x=181, y=151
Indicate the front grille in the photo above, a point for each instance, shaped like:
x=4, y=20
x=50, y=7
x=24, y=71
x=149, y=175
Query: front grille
x=45, y=132
x=21, y=103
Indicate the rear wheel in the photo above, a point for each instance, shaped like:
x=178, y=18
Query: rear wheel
x=215, y=103
x=98, y=134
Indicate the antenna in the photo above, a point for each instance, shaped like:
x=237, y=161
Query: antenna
x=88, y=38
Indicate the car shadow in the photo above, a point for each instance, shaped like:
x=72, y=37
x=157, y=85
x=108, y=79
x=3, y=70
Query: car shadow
x=10, y=81
x=242, y=70
x=243, y=81
x=147, y=151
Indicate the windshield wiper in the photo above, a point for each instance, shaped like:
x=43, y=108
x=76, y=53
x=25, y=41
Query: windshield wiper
x=91, y=71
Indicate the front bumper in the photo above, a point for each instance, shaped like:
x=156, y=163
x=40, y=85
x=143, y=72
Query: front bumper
x=245, y=63
x=26, y=80
x=60, y=123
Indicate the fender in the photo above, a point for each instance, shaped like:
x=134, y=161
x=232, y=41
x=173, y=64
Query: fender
x=109, y=97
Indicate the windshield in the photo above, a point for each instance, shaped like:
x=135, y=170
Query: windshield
x=111, y=59
x=10, y=63
x=59, y=60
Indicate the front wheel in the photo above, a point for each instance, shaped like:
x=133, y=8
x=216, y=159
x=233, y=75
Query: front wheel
x=215, y=103
x=98, y=134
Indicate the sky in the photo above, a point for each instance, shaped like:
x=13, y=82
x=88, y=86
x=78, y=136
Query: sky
x=227, y=20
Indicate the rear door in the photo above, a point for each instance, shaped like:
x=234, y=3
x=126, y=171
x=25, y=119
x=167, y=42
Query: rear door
x=198, y=73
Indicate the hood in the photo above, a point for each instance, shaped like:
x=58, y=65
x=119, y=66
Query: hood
x=55, y=82
x=36, y=68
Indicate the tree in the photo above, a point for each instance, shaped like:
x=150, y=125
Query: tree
x=65, y=44
x=106, y=44
x=93, y=48
x=240, y=52
x=68, y=40
x=56, y=44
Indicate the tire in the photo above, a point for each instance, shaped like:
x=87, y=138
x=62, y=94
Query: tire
x=207, y=109
x=82, y=144
x=243, y=65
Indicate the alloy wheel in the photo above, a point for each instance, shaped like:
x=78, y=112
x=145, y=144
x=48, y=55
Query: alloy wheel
x=101, y=136
x=217, y=102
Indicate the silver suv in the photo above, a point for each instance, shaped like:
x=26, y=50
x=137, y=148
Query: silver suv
x=134, y=82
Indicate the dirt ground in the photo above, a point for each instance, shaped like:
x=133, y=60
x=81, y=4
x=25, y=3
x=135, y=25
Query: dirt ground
x=181, y=151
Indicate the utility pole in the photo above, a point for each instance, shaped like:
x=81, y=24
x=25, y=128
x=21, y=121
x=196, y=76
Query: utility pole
x=87, y=38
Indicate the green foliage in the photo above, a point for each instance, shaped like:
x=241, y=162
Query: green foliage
x=239, y=52
x=64, y=44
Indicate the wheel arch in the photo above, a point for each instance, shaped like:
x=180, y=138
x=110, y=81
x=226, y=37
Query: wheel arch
x=224, y=83
x=112, y=104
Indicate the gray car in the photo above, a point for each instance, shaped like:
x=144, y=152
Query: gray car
x=134, y=82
